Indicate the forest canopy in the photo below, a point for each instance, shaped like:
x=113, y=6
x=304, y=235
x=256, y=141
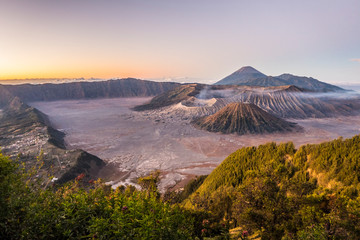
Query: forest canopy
x=276, y=191
x=266, y=192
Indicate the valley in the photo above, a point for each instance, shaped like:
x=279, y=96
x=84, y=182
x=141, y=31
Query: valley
x=136, y=143
x=180, y=120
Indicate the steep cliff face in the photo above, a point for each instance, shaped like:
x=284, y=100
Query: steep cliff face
x=244, y=118
x=128, y=87
x=26, y=133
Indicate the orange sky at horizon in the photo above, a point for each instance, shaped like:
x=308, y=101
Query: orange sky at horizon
x=88, y=69
x=98, y=64
x=203, y=40
x=77, y=74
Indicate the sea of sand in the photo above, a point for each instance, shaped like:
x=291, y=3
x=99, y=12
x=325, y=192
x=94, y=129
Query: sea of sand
x=136, y=143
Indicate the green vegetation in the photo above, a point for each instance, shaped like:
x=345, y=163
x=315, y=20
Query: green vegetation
x=31, y=209
x=266, y=192
x=277, y=192
x=190, y=187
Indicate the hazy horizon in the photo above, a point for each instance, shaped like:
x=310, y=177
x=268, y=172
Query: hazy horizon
x=202, y=40
x=345, y=85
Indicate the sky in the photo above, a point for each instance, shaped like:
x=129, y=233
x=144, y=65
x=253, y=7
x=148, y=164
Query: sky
x=187, y=40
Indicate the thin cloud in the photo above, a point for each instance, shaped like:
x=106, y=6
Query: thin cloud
x=355, y=60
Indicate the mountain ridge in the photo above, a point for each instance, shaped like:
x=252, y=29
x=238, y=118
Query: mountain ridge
x=127, y=87
x=249, y=76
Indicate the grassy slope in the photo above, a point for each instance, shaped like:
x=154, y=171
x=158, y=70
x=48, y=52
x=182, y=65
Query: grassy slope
x=329, y=162
x=275, y=191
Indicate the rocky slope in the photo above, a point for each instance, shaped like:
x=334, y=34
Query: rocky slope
x=176, y=95
x=5, y=96
x=292, y=102
x=267, y=81
x=26, y=133
x=244, y=118
x=309, y=83
x=194, y=100
x=248, y=76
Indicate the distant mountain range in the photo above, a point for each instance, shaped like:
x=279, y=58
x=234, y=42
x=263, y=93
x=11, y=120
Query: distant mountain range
x=127, y=87
x=249, y=76
x=261, y=101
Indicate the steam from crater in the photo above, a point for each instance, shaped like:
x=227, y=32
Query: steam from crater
x=208, y=93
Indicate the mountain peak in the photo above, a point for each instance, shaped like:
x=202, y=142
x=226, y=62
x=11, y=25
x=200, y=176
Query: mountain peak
x=286, y=76
x=247, y=69
x=249, y=76
x=244, y=118
x=242, y=75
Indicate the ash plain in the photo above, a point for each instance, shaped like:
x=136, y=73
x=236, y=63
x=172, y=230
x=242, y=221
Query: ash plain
x=135, y=143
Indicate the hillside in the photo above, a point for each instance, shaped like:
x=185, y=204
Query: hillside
x=243, y=118
x=318, y=160
x=267, y=81
x=293, y=102
x=248, y=76
x=309, y=83
x=128, y=87
x=277, y=191
x=173, y=96
x=26, y=133
x=5, y=96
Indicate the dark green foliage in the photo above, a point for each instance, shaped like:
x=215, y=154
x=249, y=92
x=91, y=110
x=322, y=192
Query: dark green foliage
x=272, y=191
x=30, y=211
x=279, y=192
x=190, y=187
x=6, y=180
x=247, y=162
x=338, y=160
x=149, y=183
